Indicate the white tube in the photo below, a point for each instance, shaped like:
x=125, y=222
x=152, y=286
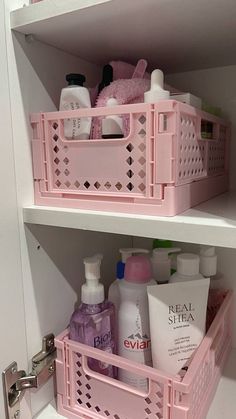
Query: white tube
x=177, y=322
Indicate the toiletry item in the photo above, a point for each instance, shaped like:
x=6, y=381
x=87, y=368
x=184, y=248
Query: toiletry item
x=177, y=322
x=93, y=323
x=157, y=92
x=208, y=265
x=163, y=243
x=187, y=268
x=133, y=321
x=161, y=264
x=114, y=291
x=112, y=125
x=73, y=97
x=107, y=77
x=187, y=98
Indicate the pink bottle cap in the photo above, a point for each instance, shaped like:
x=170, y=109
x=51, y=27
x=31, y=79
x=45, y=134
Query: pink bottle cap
x=138, y=269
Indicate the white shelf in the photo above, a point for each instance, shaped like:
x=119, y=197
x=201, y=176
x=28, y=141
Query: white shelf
x=98, y=30
x=213, y=222
x=223, y=406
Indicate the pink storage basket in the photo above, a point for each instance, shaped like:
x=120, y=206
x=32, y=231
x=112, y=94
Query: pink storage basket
x=82, y=393
x=162, y=167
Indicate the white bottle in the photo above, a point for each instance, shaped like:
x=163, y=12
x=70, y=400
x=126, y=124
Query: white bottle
x=112, y=125
x=133, y=319
x=114, y=291
x=187, y=268
x=208, y=265
x=73, y=97
x=161, y=263
x=156, y=93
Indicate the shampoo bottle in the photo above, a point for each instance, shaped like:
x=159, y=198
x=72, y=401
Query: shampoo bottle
x=187, y=268
x=133, y=319
x=114, y=291
x=93, y=323
x=161, y=264
x=73, y=97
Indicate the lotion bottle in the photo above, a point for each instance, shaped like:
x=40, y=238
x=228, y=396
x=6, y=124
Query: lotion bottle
x=161, y=264
x=74, y=97
x=187, y=268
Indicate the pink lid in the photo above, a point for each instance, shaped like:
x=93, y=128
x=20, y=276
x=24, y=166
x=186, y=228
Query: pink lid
x=138, y=269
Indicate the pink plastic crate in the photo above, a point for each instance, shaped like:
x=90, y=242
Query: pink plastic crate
x=83, y=393
x=162, y=167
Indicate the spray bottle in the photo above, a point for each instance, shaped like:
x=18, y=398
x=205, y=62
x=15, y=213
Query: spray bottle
x=93, y=323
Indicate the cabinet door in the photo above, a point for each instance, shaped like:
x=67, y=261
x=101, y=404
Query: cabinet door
x=12, y=316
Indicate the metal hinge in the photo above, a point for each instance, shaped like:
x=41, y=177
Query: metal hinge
x=15, y=382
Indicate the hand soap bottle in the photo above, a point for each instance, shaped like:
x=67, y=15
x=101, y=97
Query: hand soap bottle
x=93, y=323
x=133, y=318
x=114, y=291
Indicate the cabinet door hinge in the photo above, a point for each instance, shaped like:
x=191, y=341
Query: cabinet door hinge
x=15, y=381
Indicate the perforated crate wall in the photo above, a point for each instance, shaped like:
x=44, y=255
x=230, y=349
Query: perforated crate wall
x=83, y=393
x=162, y=152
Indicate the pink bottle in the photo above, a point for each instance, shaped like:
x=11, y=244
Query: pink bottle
x=94, y=322
x=133, y=318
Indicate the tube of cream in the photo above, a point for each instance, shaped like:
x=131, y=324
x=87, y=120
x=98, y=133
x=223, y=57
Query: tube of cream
x=177, y=322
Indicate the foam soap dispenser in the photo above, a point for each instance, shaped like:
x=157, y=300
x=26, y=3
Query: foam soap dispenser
x=157, y=92
x=114, y=292
x=161, y=263
x=93, y=323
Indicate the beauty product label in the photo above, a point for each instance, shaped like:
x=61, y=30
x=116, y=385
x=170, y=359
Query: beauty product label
x=177, y=322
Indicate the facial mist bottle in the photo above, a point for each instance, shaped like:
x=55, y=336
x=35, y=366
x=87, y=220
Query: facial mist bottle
x=93, y=323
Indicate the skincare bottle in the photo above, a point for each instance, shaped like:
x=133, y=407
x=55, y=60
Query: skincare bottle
x=187, y=268
x=93, y=323
x=74, y=97
x=112, y=125
x=107, y=77
x=208, y=265
x=114, y=291
x=156, y=93
x=133, y=320
x=161, y=264
x=166, y=244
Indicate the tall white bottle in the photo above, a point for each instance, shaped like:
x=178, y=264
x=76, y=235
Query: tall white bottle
x=187, y=268
x=157, y=91
x=134, y=340
x=74, y=97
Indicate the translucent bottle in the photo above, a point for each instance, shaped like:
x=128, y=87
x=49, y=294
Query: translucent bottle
x=93, y=323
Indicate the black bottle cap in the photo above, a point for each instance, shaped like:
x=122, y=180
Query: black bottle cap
x=74, y=78
x=107, y=77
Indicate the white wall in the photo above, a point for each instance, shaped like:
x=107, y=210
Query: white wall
x=218, y=87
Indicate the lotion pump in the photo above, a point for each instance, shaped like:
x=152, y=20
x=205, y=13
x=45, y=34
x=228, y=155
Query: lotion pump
x=161, y=263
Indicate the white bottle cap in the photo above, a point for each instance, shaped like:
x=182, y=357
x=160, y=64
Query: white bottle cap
x=156, y=92
x=162, y=254
x=188, y=264
x=208, y=261
x=92, y=292
x=129, y=251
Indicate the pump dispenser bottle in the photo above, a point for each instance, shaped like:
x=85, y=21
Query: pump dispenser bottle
x=161, y=263
x=93, y=323
x=157, y=92
x=208, y=265
x=114, y=292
